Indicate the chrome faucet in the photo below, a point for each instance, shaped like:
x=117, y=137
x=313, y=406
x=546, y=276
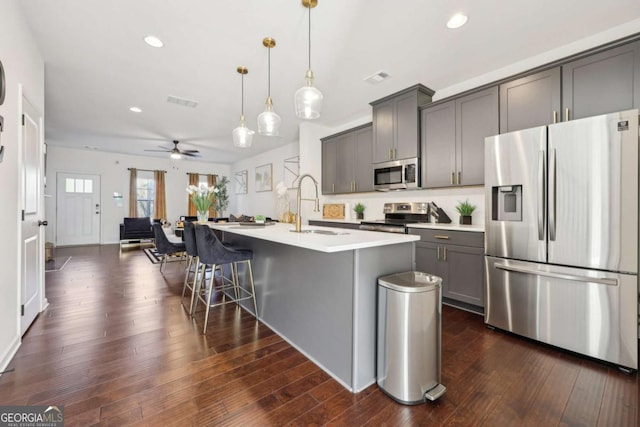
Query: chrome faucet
x=299, y=200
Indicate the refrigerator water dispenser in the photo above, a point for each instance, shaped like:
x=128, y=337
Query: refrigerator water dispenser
x=507, y=203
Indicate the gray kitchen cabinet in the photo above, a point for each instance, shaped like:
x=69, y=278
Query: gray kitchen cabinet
x=602, y=83
x=335, y=224
x=396, y=125
x=458, y=258
x=347, y=161
x=452, y=139
x=329, y=158
x=530, y=101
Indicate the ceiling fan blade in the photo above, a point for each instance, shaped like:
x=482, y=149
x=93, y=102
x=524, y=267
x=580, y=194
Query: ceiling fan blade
x=189, y=151
x=190, y=154
x=160, y=151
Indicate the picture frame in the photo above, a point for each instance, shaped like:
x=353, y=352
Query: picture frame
x=264, y=178
x=241, y=182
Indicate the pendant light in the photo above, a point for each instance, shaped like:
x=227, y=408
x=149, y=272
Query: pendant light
x=242, y=135
x=268, y=120
x=308, y=99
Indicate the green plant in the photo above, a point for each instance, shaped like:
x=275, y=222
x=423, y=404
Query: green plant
x=259, y=218
x=465, y=208
x=358, y=208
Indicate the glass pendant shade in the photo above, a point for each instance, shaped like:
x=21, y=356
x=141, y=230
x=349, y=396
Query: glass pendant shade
x=269, y=121
x=242, y=135
x=308, y=100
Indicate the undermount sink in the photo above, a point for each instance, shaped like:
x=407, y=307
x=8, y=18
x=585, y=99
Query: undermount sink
x=327, y=232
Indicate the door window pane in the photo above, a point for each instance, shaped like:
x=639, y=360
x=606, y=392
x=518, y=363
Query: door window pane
x=88, y=186
x=69, y=185
x=79, y=185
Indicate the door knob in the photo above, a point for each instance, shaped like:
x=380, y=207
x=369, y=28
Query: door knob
x=41, y=223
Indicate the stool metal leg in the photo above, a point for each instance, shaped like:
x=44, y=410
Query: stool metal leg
x=186, y=278
x=253, y=289
x=211, y=284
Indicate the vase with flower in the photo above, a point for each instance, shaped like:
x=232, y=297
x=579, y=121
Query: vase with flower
x=202, y=197
x=282, y=193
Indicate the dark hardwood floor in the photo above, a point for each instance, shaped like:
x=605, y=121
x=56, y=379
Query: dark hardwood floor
x=116, y=348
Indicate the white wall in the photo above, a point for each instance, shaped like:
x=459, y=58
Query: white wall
x=114, y=177
x=23, y=64
x=261, y=203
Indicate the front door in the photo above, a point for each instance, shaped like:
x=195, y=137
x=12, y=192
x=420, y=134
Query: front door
x=78, y=216
x=32, y=236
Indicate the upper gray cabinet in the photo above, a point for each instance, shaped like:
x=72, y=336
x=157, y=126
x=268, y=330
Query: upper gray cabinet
x=347, y=161
x=396, y=125
x=530, y=101
x=602, y=83
x=329, y=158
x=453, y=136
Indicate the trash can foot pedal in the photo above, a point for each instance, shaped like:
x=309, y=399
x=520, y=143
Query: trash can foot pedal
x=435, y=392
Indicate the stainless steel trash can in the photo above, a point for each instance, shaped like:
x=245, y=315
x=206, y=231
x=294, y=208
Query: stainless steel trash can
x=409, y=336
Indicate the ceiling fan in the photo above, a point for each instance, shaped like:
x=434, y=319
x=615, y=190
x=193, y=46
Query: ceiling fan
x=176, y=153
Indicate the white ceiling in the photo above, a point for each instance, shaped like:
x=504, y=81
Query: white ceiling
x=97, y=65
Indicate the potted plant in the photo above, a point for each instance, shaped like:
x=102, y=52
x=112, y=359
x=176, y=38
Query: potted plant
x=359, y=210
x=465, y=209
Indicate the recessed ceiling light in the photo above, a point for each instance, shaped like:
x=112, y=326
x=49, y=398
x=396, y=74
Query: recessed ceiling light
x=457, y=21
x=135, y=109
x=377, y=77
x=153, y=41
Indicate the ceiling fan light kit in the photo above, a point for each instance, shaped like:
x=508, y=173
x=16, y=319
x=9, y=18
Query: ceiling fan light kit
x=242, y=135
x=175, y=153
x=269, y=121
x=308, y=99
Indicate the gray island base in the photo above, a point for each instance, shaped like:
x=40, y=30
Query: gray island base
x=318, y=292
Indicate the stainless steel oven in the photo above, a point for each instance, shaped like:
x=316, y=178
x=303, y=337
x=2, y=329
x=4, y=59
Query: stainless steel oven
x=396, y=174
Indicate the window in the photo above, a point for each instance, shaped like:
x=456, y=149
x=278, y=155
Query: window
x=72, y=185
x=145, y=193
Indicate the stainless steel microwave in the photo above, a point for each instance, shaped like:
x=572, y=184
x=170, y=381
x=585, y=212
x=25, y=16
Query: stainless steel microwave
x=396, y=175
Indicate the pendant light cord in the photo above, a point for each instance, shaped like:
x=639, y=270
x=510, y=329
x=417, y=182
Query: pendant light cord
x=309, y=38
x=269, y=76
x=242, y=99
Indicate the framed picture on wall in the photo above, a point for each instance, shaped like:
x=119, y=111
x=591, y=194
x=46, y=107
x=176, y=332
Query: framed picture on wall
x=263, y=178
x=241, y=182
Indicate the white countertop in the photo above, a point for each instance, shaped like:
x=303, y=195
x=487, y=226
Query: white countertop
x=347, y=240
x=454, y=227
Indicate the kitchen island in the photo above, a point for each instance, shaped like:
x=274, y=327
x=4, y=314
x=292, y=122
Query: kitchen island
x=318, y=291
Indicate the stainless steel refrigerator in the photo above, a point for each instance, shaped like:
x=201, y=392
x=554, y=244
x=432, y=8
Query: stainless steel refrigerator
x=561, y=235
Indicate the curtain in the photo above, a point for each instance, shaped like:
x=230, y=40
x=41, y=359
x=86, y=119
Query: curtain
x=193, y=180
x=211, y=181
x=160, y=204
x=133, y=200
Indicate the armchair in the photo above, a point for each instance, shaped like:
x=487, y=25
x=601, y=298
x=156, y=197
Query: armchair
x=136, y=230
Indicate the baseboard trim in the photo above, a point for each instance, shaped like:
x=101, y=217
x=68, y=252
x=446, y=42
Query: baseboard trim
x=7, y=356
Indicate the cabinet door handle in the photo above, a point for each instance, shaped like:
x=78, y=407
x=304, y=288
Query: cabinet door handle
x=390, y=155
x=566, y=114
x=333, y=188
x=555, y=116
x=445, y=253
x=438, y=253
x=355, y=186
x=459, y=180
x=451, y=177
x=440, y=236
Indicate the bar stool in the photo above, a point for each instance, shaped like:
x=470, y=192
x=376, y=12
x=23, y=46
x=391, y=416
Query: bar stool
x=211, y=252
x=164, y=246
x=193, y=262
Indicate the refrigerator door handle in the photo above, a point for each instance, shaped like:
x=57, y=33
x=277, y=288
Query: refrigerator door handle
x=552, y=194
x=599, y=280
x=541, y=194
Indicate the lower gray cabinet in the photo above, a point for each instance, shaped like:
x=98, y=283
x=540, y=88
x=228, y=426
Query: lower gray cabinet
x=458, y=258
x=335, y=224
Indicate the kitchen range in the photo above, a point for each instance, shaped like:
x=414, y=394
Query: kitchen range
x=398, y=215
x=561, y=235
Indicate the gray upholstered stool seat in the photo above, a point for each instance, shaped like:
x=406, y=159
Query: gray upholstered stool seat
x=211, y=252
x=164, y=246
